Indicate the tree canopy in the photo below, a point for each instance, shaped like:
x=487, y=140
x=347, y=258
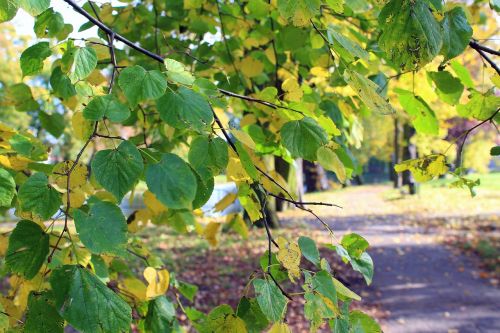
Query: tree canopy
x=169, y=95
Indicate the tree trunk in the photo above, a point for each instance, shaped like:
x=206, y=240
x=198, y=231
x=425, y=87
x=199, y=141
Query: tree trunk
x=283, y=169
x=409, y=152
x=315, y=177
x=396, y=176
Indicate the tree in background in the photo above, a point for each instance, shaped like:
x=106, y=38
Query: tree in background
x=170, y=94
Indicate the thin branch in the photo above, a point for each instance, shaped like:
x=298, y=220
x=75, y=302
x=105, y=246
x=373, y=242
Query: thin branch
x=476, y=45
x=482, y=52
x=305, y=203
x=107, y=30
x=259, y=101
x=68, y=192
x=332, y=55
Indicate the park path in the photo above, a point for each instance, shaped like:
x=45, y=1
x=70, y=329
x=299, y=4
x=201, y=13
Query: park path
x=422, y=285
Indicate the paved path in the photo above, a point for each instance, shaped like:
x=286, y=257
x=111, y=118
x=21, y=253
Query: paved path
x=423, y=285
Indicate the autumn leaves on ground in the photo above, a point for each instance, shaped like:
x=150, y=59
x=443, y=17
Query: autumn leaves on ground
x=440, y=242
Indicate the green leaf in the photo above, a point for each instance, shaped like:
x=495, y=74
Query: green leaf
x=345, y=47
x=117, y=170
x=8, y=9
x=87, y=304
x=42, y=315
x=495, y=151
x=103, y=229
x=222, y=320
x=480, y=106
x=106, y=106
x=343, y=292
x=309, y=249
x=187, y=290
x=336, y=5
x=19, y=96
x=303, y=138
x=271, y=301
x=411, y=36
x=422, y=117
x=172, y=182
x=178, y=73
x=364, y=265
x=363, y=323
x=61, y=84
x=211, y=153
x=449, y=88
x=354, y=244
x=249, y=310
x=50, y=24
x=246, y=161
x=204, y=187
x=28, y=146
x=462, y=73
x=85, y=62
x=315, y=310
x=160, y=316
x=139, y=85
x=185, y=109
x=38, y=197
x=34, y=7
x=54, y=123
x=322, y=283
x=330, y=161
x=32, y=58
x=4, y=319
x=7, y=188
x=456, y=33
x=28, y=248
x=299, y=11
x=367, y=90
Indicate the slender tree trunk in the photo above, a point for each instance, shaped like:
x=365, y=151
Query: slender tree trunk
x=315, y=177
x=409, y=152
x=396, y=176
x=283, y=169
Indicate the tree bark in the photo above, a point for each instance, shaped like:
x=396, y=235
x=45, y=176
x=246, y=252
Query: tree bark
x=396, y=176
x=315, y=177
x=409, y=152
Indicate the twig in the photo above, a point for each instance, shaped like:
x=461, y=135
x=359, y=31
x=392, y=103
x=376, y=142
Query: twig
x=482, y=52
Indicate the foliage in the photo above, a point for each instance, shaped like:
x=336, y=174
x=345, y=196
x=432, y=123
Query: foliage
x=292, y=79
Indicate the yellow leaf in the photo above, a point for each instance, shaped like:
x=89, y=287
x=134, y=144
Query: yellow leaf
x=289, y=256
x=320, y=72
x=4, y=241
x=292, y=90
x=251, y=67
x=211, y=233
x=18, y=163
x=270, y=186
x=158, y=281
x=78, y=174
x=424, y=168
x=153, y=204
x=235, y=171
x=244, y=137
x=238, y=224
x=226, y=201
x=82, y=128
x=279, y=328
x=136, y=287
x=76, y=197
x=140, y=219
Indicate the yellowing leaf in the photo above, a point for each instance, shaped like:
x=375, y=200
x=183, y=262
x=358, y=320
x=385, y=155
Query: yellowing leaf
x=78, y=174
x=244, y=137
x=292, y=90
x=279, y=328
x=211, y=232
x=153, y=204
x=289, y=256
x=330, y=161
x=82, y=128
x=76, y=198
x=235, y=171
x=238, y=224
x=319, y=72
x=424, y=168
x=158, y=281
x=136, y=287
x=226, y=201
x=251, y=67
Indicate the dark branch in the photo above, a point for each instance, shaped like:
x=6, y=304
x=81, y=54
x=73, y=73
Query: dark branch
x=482, y=52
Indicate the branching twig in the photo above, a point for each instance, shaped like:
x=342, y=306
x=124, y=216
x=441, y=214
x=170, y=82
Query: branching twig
x=482, y=52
